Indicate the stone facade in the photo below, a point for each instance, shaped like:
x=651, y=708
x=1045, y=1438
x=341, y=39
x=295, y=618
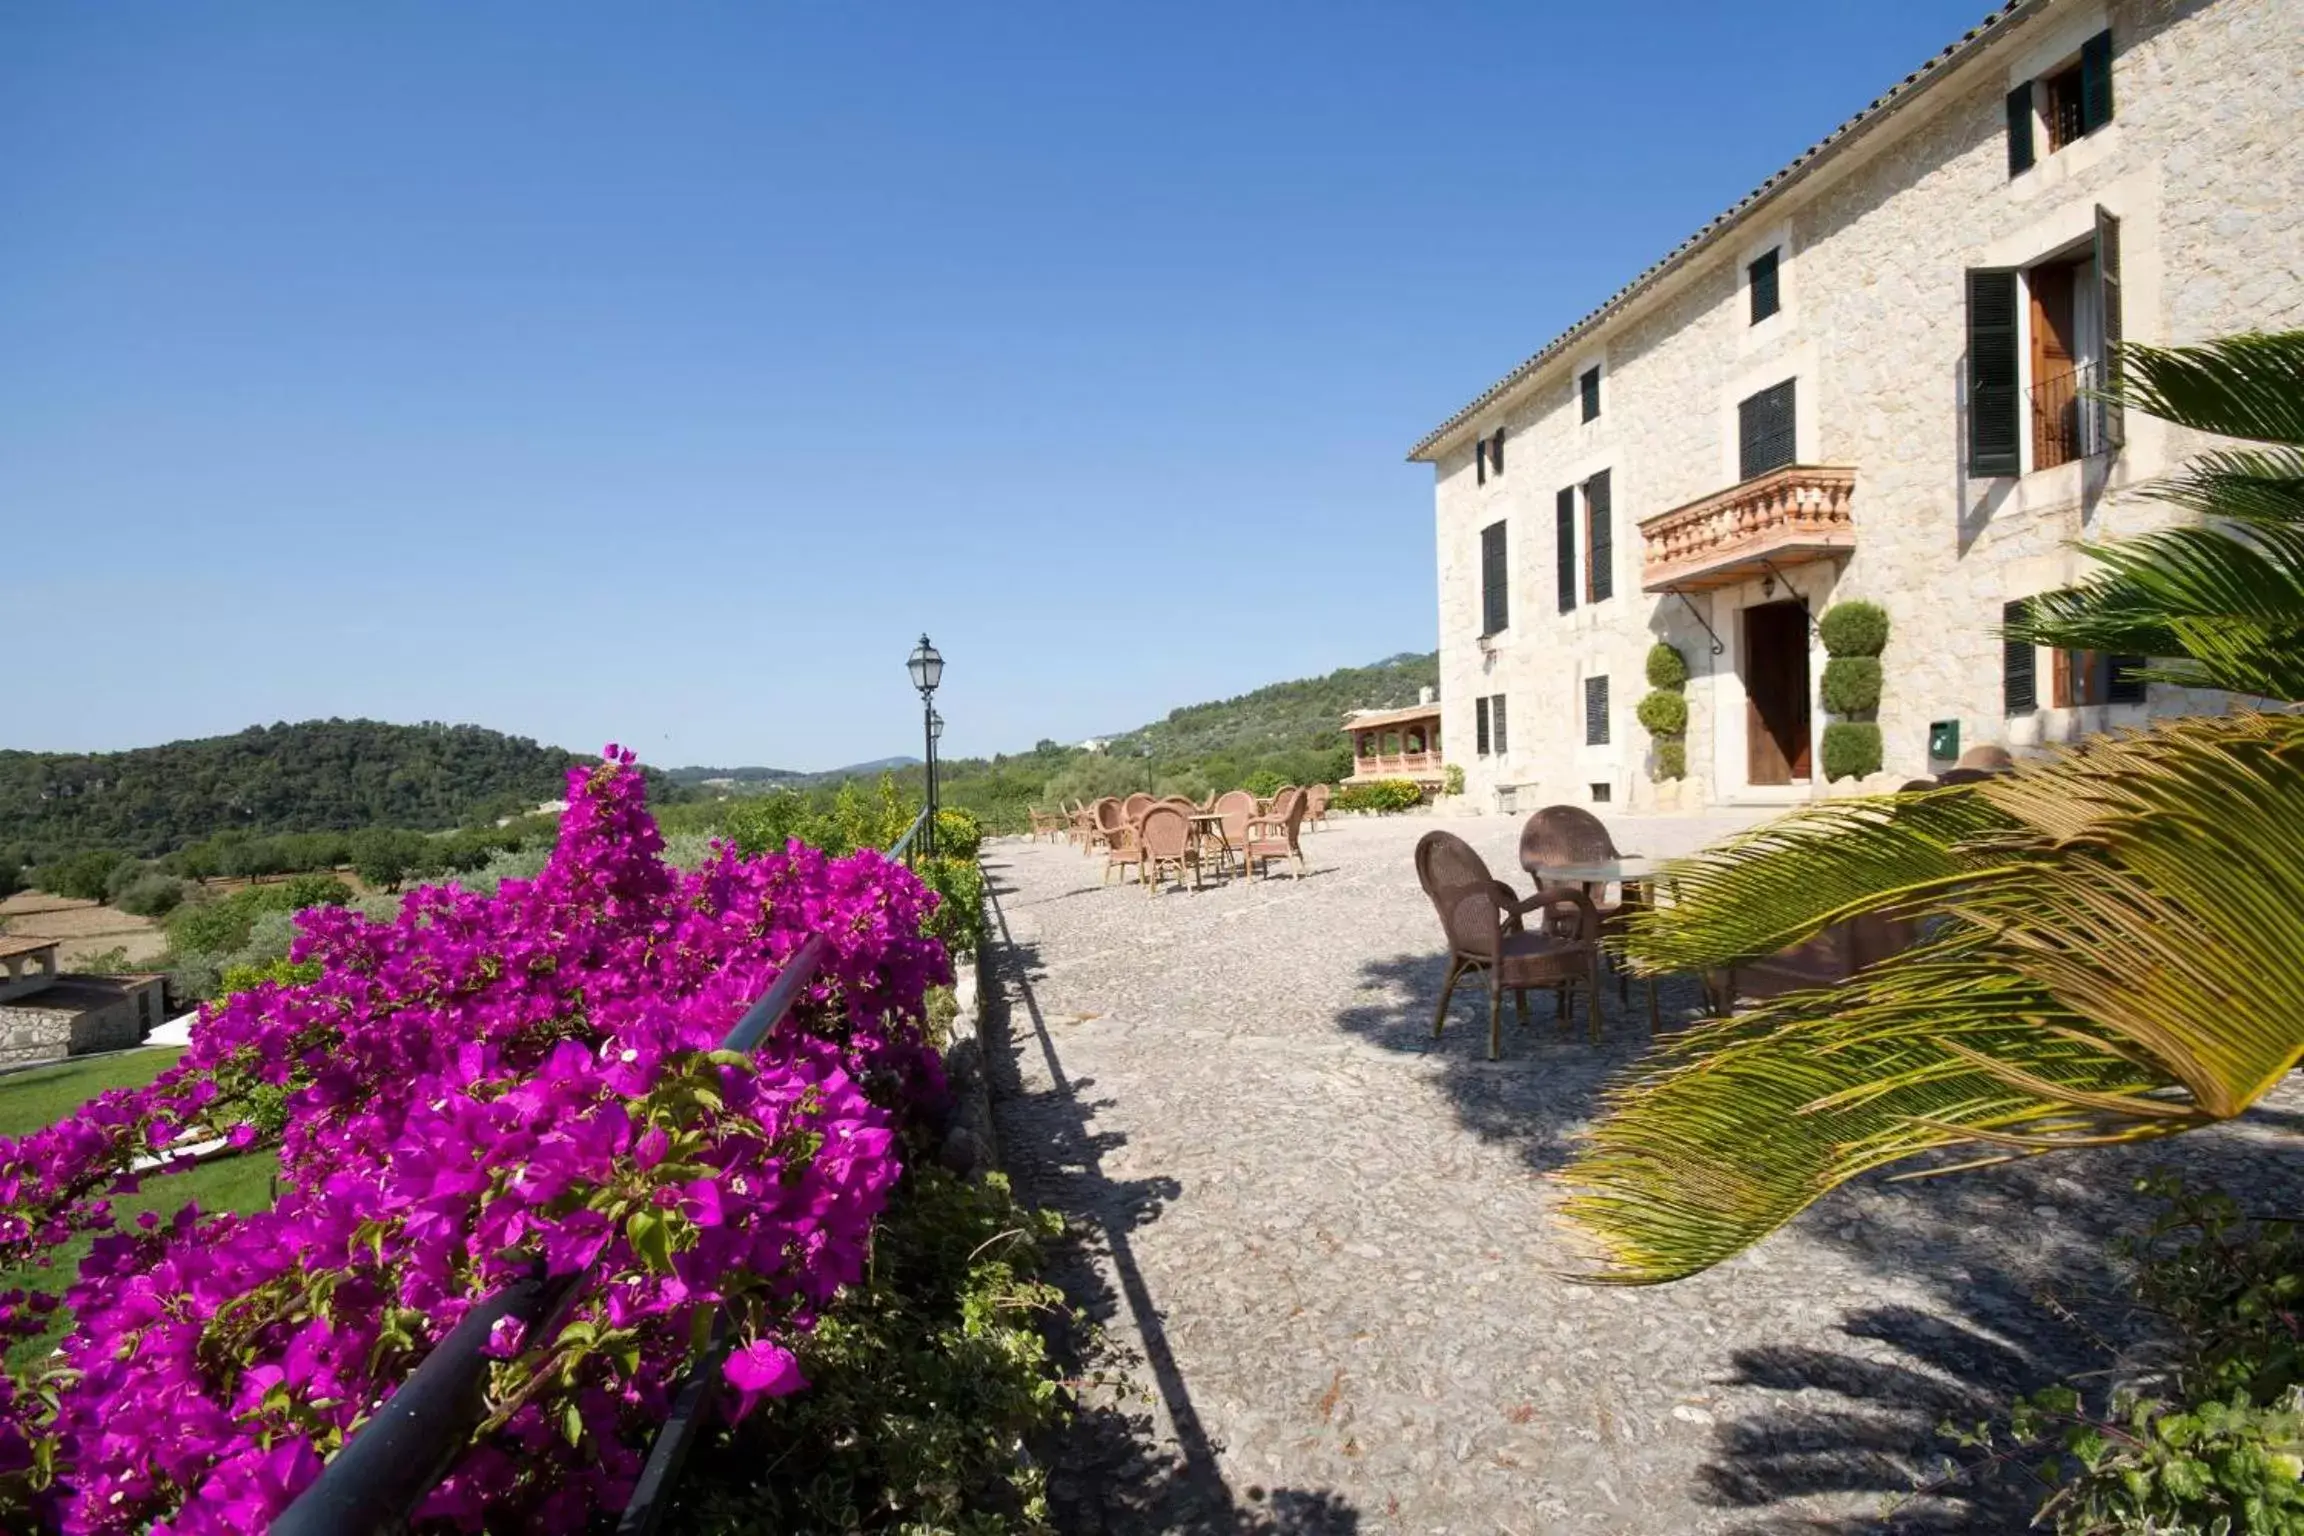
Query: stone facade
x=75, y=1015
x=2201, y=167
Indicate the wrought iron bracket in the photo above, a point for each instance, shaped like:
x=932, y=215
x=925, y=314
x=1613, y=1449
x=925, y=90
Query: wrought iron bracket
x=1719, y=647
x=1785, y=582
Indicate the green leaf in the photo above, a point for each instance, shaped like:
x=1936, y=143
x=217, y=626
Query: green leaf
x=651, y=1238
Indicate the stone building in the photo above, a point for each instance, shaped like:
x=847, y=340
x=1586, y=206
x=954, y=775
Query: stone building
x=46, y=1015
x=1866, y=380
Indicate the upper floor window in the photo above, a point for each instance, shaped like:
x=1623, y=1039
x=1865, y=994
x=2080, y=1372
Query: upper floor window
x=1588, y=391
x=1495, y=577
x=2066, y=104
x=2042, y=341
x=1488, y=724
x=1760, y=278
x=1488, y=455
x=1765, y=435
x=1588, y=504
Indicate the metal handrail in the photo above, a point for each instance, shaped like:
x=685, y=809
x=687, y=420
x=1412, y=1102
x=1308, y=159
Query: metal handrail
x=415, y=1436
x=902, y=847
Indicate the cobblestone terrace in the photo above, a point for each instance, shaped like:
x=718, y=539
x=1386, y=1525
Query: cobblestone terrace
x=1322, y=1242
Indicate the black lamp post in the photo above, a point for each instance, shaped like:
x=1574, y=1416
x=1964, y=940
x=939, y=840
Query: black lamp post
x=927, y=667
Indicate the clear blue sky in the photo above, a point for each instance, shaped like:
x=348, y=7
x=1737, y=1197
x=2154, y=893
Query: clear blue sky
x=659, y=373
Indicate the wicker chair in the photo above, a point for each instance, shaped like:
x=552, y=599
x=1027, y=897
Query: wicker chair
x=1238, y=808
x=1133, y=807
x=1165, y=840
x=1123, y=846
x=1274, y=836
x=1045, y=823
x=1108, y=823
x=1569, y=834
x=1485, y=926
x=1316, y=804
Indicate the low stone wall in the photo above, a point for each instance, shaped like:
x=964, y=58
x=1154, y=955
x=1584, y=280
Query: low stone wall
x=76, y=1015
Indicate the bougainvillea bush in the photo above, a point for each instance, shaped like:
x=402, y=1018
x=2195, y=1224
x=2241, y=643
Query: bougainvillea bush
x=480, y=1085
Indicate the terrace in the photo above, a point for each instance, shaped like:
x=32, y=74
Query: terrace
x=1327, y=1240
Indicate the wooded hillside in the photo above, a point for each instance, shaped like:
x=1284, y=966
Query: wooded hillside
x=316, y=775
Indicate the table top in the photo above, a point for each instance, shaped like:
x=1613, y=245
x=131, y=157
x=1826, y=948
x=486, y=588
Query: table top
x=1214, y=816
x=1601, y=872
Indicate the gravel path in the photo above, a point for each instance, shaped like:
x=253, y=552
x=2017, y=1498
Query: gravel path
x=1322, y=1247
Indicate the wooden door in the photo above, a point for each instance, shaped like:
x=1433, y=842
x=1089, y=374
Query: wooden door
x=1775, y=667
x=2055, y=385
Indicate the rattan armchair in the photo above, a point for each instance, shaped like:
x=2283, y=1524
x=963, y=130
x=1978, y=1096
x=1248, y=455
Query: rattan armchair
x=1274, y=836
x=1238, y=808
x=1165, y=838
x=1316, y=804
x=1484, y=923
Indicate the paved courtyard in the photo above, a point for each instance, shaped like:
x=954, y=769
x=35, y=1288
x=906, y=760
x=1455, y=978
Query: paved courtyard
x=1323, y=1245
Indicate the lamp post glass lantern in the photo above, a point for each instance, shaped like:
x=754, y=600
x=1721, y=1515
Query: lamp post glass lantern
x=926, y=664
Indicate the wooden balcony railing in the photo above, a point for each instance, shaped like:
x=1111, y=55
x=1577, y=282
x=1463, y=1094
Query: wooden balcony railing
x=1785, y=517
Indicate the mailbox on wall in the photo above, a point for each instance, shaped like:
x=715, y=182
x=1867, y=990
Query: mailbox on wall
x=1944, y=741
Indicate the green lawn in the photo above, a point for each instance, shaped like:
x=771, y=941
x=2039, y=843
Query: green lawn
x=31, y=1100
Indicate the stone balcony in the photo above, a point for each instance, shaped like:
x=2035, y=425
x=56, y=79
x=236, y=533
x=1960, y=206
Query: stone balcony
x=1786, y=517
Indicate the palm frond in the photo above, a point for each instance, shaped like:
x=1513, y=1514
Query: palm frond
x=2120, y=963
x=1771, y=887
x=2251, y=485
x=2247, y=386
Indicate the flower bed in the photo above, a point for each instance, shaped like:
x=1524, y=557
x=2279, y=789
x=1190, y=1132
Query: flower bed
x=480, y=1083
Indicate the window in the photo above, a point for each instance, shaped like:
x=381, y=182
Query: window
x=2070, y=103
x=1596, y=711
x=1496, y=721
x=2019, y=669
x=1760, y=277
x=1488, y=455
x=1599, y=541
x=1588, y=389
x=2036, y=406
x=2091, y=677
x=1495, y=599
x=1764, y=432
x=1599, y=793
x=1480, y=725
x=1564, y=520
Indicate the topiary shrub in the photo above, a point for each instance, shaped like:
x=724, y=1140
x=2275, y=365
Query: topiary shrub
x=1852, y=685
x=1672, y=759
x=1667, y=668
x=1664, y=714
x=1854, y=629
x=1851, y=749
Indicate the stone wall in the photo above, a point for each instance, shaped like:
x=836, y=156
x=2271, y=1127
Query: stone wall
x=79, y=1014
x=2203, y=169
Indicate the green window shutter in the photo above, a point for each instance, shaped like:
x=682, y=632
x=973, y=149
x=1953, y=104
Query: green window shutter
x=2020, y=129
x=1596, y=711
x=1761, y=278
x=1765, y=435
x=2019, y=665
x=2096, y=82
x=1564, y=516
x=1588, y=390
x=1480, y=725
x=2115, y=422
x=2119, y=686
x=1496, y=722
x=1480, y=460
x=1994, y=402
x=1496, y=451
x=1599, y=538
x=1495, y=575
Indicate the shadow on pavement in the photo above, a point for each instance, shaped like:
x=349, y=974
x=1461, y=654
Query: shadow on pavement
x=1109, y=1472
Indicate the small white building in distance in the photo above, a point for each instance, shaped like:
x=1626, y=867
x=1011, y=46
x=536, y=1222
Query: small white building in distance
x=47, y=1015
x=1867, y=379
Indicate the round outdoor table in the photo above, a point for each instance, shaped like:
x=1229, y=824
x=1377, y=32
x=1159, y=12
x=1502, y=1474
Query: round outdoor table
x=1627, y=870
x=1206, y=824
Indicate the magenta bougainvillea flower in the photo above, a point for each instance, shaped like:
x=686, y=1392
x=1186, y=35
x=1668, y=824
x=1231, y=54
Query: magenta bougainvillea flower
x=477, y=1087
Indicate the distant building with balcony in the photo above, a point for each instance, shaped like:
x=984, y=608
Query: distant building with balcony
x=1396, y=744
x=1868, y=380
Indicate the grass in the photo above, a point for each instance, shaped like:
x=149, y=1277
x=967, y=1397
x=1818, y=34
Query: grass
x=30, y=1101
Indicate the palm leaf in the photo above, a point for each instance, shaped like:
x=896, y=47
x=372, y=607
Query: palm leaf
x=2119, y=963
x=2249, y=386
x=2249, y=485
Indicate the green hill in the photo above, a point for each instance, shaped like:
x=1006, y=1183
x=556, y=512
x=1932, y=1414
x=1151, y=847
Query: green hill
x=1308, y=712
x=314, y=776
